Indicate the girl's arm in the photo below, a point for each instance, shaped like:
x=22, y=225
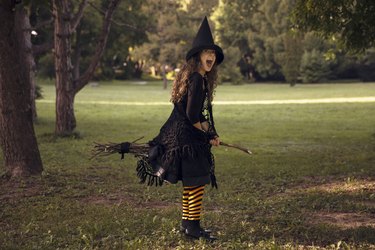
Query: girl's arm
x=194, y=100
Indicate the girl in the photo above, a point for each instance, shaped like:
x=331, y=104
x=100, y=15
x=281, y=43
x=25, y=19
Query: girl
x=182, y=150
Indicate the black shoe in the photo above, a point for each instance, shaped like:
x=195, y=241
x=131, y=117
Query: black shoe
x=186, y=223
x=202, y=230
x=193, y=230
x=199, y=235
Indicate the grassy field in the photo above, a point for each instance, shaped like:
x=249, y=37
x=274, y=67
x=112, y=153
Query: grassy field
x=309, y=183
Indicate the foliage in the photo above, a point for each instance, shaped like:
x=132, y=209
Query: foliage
x=127, y=30
x=46, y=66
x=314, y=67
x=323, y=167
x=233, y=21
x=38, y=92
x=146, y=35
x=367, y=69
x=346, y=66
x=261, y=28
x=256, y=28
x=165, y=44
x=228, y=70
x=290, y=60
x=351, y=22
x=172, y=32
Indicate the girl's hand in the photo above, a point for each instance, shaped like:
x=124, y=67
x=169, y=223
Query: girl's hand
x=215, y=141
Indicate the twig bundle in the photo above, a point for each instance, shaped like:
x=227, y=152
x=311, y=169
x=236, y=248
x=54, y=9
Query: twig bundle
x=137, y=149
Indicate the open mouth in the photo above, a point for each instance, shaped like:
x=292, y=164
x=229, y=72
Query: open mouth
x=209, y=63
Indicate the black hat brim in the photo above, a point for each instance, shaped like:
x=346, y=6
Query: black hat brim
x=218, y=50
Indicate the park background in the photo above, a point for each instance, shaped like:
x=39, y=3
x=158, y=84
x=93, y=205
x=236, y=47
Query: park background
x=298, y=92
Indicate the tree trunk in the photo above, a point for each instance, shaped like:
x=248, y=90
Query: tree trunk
x=33, y=88
x=17, y=136
x=77, y=53
x=66, y=86
x=65, y=118
x=164, y=74
x=26, y=28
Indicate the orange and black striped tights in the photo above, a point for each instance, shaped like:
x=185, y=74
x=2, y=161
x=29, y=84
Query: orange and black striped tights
x=192, y=203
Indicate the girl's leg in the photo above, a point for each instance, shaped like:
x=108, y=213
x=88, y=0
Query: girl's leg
x=195, y=203
x=191, y=213
x=191, y=210
x=185, y=208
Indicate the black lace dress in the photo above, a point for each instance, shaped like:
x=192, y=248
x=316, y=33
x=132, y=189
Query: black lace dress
x=181, y=151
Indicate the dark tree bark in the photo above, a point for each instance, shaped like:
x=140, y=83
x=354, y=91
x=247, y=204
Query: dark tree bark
x=164, y=75
x=77, y=53
x=66, y=86
x=17, y=136
x=26, y=29
x=65, y=119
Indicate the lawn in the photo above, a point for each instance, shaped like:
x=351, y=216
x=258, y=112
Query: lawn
x=310, y=181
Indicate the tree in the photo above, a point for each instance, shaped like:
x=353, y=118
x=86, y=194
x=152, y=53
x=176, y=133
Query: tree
x=257, y=28
x=128, y=30
x=166, y=38
x=31, y=22
x=234, y=19
x=290, y=59
x=66, y=85
x=264, y=30
x=314, y=67
x=17, y=136
x=172, y=32
x=352, y=22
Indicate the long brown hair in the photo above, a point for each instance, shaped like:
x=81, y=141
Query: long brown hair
x=181, y=81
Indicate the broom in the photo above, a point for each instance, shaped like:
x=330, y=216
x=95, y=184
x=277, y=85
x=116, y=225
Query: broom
x=138, y=149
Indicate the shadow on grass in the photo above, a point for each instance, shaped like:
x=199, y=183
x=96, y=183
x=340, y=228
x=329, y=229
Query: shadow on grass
x=319, y=214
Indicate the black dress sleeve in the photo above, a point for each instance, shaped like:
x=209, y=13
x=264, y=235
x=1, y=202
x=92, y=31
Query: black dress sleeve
x=212, y=130
x=195, y=98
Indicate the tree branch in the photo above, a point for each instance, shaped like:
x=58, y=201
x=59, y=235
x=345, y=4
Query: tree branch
x=77, y=18
x=116, y=22
x=102, y=41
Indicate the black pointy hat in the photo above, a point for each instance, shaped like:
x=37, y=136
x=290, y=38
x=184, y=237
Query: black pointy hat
x=204, y=40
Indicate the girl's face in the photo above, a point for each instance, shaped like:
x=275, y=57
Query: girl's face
x=207, y=58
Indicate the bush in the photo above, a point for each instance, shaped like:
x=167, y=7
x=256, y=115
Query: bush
x=290, y=60
x=345, y=67
x=38, y=92
x=228, y=70
x=366, y=69
x=314, y=67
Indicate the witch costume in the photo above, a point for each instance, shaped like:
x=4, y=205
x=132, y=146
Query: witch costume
x=182, y=152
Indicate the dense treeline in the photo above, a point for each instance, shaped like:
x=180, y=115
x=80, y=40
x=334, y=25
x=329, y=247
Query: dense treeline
x=264, y=33
x=259, y=39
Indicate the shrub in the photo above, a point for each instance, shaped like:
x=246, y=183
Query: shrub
x=366, y=69
x=314, y=67
x=290, y=60
x=228, y=70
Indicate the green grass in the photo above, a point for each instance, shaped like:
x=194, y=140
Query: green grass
x=308, y=160
x=131, y=90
